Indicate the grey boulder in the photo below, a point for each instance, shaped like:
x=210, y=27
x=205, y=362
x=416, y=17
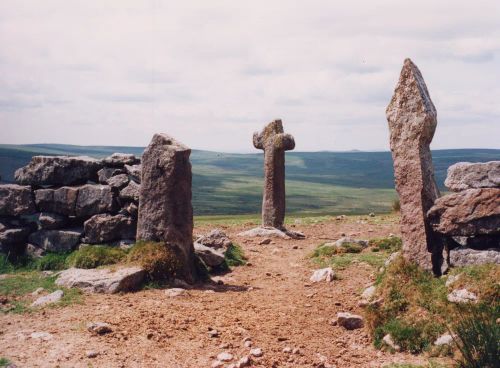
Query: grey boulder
x=58, y=170
x=118, y=181
x=16, y=200
x=209, y=256
x=463, y=256
x=131, y=191
x=15, y=236
x=134, y=171
x=107, y=172
x=104, y=228
x=468, y=175
x=51, y=221
x=216, y=239
x=82, y=201
x=56, y=240
x=102, y=280
x=120, y=159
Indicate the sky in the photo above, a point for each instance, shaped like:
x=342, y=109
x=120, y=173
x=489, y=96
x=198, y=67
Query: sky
x=210, y=73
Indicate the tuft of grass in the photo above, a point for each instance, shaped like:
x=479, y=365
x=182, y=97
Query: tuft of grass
x=478, y=336
x=18, y=287
x=93, y=256
x=4, y=362
x=234, y=256
x=431, y=364
x=342, y=257
x=159, y=261
x=50, y=261
x=391, y=244
x=414, y=309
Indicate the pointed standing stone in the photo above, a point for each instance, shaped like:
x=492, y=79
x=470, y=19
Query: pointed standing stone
x=274, y=142
x=165, y=210
x=412, y=121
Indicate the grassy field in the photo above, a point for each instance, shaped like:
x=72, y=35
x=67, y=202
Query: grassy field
x=317, y=182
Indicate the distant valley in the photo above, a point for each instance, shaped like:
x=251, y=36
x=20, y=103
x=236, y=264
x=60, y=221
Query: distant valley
x=317, y=182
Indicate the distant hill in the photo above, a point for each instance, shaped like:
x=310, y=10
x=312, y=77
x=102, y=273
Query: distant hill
x=317, y=182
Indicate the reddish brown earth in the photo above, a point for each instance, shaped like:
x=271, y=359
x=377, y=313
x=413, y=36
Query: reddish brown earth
x=271, y=301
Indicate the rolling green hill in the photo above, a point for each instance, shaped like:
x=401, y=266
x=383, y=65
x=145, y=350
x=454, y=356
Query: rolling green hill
x=317, y=182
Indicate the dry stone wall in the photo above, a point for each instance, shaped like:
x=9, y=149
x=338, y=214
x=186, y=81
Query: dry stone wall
x=61, y=202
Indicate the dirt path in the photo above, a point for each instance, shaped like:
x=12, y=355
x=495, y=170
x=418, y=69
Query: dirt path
x=271, y=301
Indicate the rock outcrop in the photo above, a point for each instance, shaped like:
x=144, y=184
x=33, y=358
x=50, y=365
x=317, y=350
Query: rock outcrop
x=102, y=280
x=64, y=193
x=58, y=170
x=16, y=200
x=165, y=210
x=467, y=213
x=412, y=120
x=467, y=175
x=104, y=228
x=56, y=240
x=463, y=256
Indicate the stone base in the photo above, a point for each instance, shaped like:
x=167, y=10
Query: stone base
x=463, y=256
x=270, y=232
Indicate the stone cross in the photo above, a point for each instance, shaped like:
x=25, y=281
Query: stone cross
x=274, y=142
x=165, y=210
x=412, y=121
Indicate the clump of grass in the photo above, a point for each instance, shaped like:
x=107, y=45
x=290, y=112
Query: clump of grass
x=478, y=336
x=343, y=256
x=158, y=260
x=18, y=286
x=407, y=365
x=234, y=256
x=473, y=279
x=93, y=256
x=390, y=244
x=414, y=309
x=50, y=261
x=5, y=265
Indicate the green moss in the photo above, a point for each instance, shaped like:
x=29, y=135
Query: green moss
x=342, y=257
x=234, y=256
x=93, y=256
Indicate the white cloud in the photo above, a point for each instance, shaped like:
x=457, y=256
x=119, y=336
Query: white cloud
x=210, y=73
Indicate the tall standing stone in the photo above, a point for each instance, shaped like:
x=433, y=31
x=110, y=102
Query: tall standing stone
x=274, y=142
x=412, y=121
x=165, y=210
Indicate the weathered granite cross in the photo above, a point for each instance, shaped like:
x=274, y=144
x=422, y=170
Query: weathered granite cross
x=274, y=142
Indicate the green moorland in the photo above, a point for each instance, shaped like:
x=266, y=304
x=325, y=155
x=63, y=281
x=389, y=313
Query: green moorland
x=317, y=182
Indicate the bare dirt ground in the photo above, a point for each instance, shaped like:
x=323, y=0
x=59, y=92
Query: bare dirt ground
x=271, y=301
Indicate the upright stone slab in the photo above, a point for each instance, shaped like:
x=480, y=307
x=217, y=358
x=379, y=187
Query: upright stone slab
x=412, y=121
x=165, y=210
x=274, y=142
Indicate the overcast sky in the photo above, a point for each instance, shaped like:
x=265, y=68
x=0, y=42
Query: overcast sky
x=211, y=72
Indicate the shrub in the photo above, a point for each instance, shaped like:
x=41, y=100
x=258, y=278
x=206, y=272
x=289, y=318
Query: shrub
x=478, y=336
x=158, y=260
x=93, y=256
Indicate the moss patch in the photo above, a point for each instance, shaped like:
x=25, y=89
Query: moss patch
x=93, y=256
